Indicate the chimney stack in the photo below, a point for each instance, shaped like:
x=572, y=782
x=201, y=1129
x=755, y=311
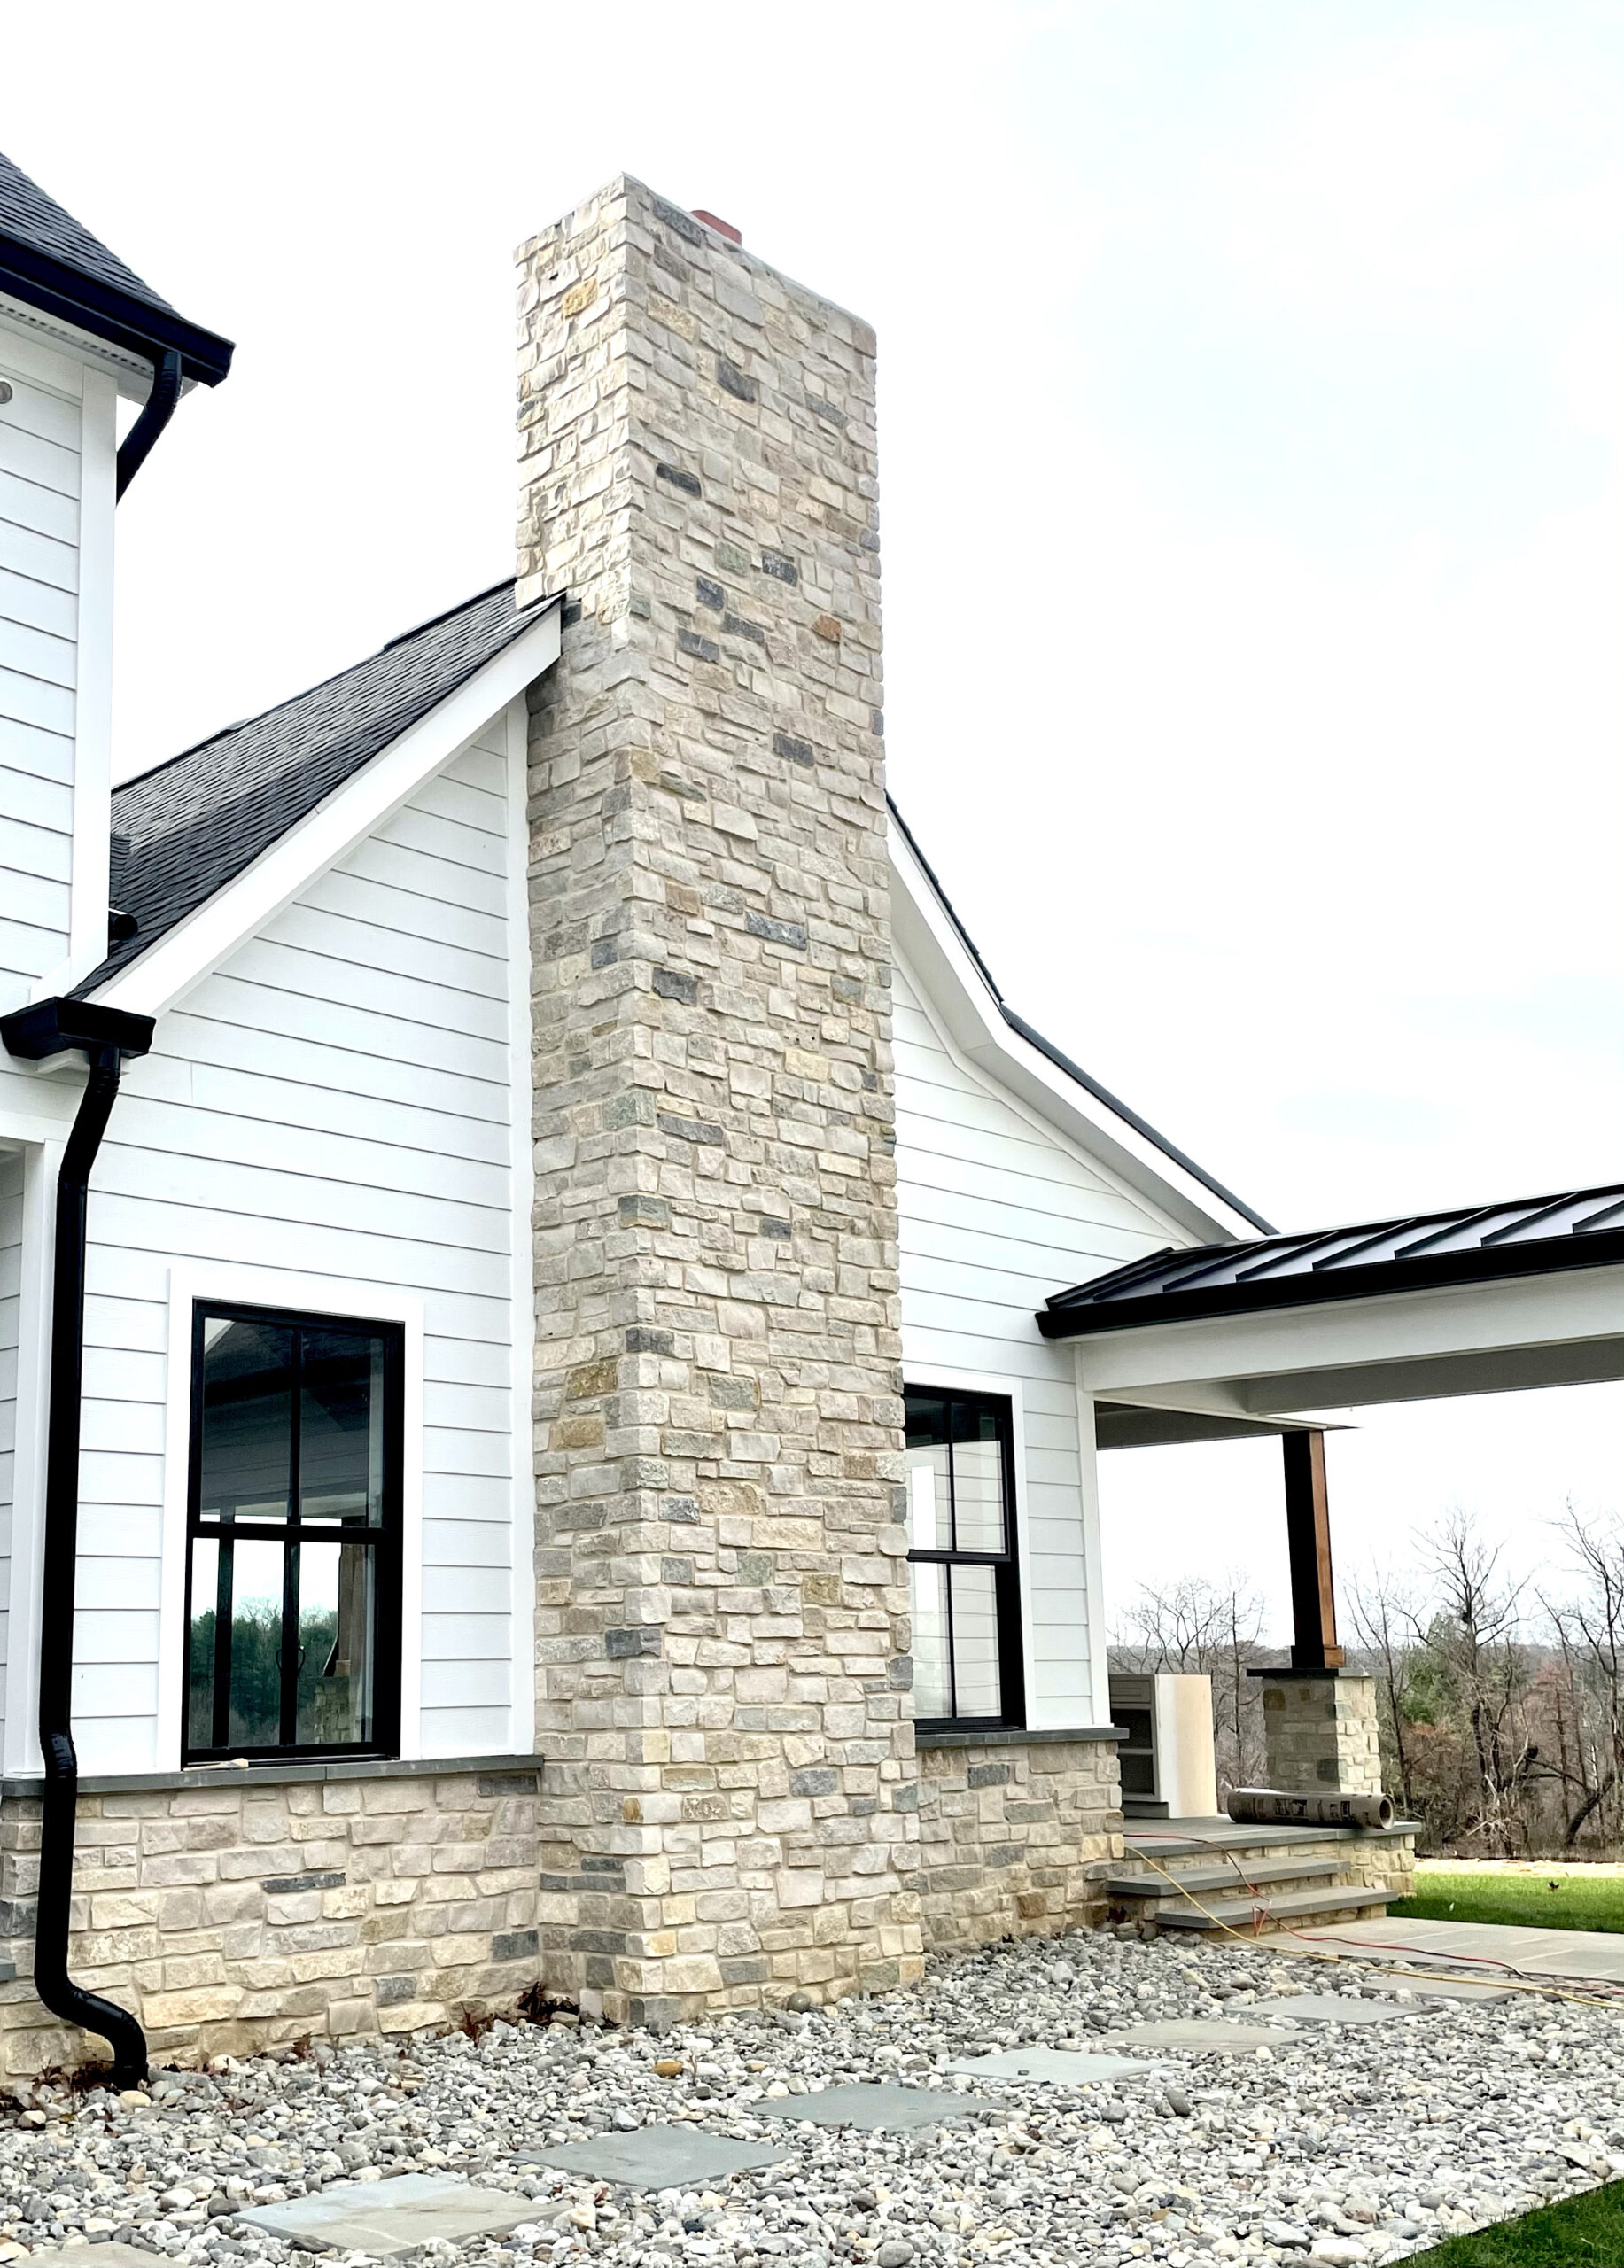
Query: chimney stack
x=723, y=1646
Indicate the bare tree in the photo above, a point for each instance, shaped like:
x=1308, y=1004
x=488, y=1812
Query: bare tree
x=1385, y=1620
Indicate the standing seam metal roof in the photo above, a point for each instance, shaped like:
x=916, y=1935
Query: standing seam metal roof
x=1529, y=1236
x=185, y=829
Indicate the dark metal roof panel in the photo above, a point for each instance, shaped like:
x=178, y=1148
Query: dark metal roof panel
x=1474, y=1243
x=49, y=259
x=184, y=830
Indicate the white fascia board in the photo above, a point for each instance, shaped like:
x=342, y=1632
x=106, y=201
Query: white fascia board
x=960, y=997
x=196, y=947
x=1575, y=1307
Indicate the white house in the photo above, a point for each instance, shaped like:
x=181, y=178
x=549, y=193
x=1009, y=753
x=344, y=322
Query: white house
x=540, y=1108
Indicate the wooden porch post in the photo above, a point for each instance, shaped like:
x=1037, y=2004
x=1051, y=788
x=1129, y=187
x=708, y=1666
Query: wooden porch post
x=1307, y=1538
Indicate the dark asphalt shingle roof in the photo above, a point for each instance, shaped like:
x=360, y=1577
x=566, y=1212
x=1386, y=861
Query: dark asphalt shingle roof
x=50, y=260
x=1530, y=1236
x=184, y=830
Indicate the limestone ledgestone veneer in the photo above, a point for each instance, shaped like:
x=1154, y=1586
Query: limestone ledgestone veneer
x=1014, y=1836
x=723, y=1641
x=235, y=1913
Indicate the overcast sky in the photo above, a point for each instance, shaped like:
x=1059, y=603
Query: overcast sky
x=1252, y=394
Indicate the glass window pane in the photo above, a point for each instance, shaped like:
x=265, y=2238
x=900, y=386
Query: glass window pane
x=978, y=1480
x=338, y=1643
x=256, y=1644
x=247, y=1420
x=200, y=1648
x=929, y=1521
x=341, y=1427
x=932, y=1690
x=976, y=1642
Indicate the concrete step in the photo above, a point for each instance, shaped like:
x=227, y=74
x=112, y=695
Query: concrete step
x=1221, y=1880
x=1363, y=1899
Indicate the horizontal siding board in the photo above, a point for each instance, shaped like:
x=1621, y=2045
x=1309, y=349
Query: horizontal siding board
x=36, y=653
x=298, y=1202
x=466, y=1031
x=38, y=605
x=402, y=868
x=36, y=410
x=363, y=944
x=27, y=800
x=42, y=554
x=395, y=912
x=466, y=1732
x=28, y=700
x=472, y=849
x=250, y=1143
x=223, y=1042
x=192, y=1232
x=32, y=456
x=40, y=753
x=278, y=1009
x=40, y=510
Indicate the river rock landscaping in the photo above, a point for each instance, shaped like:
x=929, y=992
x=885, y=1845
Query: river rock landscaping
x=1335, y=2145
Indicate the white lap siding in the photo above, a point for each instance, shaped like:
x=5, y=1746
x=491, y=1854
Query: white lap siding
x=998, y=1210
x=335, y=1101
x=39, y=580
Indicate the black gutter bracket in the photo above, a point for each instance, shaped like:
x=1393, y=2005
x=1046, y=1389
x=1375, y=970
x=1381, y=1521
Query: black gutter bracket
x=106, y=1035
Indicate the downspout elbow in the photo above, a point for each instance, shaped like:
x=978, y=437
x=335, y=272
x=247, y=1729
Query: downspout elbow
x=158, y=408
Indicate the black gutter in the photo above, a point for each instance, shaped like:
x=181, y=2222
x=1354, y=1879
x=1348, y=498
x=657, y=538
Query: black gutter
x=106, y=1036
x=1046, y=1047
x=1478, y=1265
x=158, y=408
x=140, y=326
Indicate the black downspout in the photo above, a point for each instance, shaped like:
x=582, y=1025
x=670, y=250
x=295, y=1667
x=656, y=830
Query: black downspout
x=158, y=410
x=49, y=1029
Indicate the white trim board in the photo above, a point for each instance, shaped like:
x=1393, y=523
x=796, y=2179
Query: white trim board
x=196, y=947
x=521, y=1205
x=320, y=1295
x=968, y=1012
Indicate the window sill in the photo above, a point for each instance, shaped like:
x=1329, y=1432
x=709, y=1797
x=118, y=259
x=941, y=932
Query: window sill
x=1013, y=1735
x=282, y=1774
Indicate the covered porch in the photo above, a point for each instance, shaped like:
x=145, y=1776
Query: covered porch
x=1289, y=1335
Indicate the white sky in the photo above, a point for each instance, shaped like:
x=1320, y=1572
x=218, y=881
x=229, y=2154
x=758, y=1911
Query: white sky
x=1251, y=419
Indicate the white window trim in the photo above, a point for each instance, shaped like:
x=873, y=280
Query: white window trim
x=314, y=1295
x=925, y=1375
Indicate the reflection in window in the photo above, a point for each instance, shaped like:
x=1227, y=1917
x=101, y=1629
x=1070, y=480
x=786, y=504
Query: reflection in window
x=293, y=1567
x=961, y=1559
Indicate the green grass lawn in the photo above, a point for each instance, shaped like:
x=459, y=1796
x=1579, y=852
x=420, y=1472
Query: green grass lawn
x=1528, y=1901
x=1584, y=2232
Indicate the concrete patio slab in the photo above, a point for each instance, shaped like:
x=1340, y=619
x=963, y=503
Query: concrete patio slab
x=875, y=2109
x=1598, y=1953
x=1061, y=2067
x=1196, y=2038
x=1336, y=2008
x=385, y=2218
x=653, y=2157
x=105, y=2256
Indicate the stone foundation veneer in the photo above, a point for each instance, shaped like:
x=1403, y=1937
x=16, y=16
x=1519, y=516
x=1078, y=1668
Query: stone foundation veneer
x=722, y=1609
x=236, y=1912
x=1015, y=1835
x=1320, y=1731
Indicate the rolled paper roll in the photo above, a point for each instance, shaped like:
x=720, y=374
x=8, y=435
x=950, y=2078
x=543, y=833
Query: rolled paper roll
x=1279, y=1807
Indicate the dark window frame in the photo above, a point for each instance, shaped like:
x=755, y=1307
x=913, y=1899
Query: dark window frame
x=385, y=1543
x=1006, y=1566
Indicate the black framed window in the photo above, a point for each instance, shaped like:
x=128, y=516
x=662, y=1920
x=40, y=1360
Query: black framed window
x=293, y=1535
x=961, y=1559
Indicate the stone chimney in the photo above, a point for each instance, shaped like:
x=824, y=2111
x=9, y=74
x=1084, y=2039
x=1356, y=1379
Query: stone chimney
x=723, y=1672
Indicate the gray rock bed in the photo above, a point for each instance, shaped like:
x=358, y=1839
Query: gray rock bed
x=1335, y=2145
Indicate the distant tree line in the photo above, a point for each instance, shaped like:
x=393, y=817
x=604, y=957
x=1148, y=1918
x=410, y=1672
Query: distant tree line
x=1501, y=1699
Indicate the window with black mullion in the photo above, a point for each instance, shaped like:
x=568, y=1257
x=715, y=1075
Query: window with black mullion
x=965, y=1582
x=293, y=1535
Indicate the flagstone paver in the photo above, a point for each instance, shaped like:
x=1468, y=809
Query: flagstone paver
x=880, y=2109
x=1335, y=2007
x=1061, y=2067
x=656, y=2157
x=383, y=2218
